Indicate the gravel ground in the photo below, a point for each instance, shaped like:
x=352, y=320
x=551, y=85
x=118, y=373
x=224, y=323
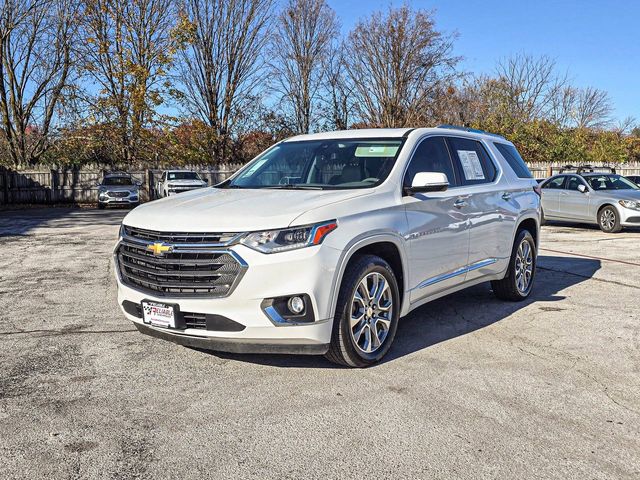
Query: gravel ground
x=473, y=387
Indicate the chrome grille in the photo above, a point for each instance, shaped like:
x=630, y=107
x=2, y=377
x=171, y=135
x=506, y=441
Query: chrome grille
x=118, y=194
x=176, y=237
x=192, y=268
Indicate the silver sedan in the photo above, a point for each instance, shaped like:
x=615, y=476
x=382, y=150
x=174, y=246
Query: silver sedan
x=608, y=200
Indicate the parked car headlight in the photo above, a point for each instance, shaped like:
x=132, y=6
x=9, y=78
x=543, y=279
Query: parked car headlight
x=273, y=241
x=630, y=204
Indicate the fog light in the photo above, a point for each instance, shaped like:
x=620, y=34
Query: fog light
x=296, y=305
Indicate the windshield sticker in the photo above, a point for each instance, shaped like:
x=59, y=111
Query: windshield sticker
x=377, y=150
x=471, y=165
x=255, y=167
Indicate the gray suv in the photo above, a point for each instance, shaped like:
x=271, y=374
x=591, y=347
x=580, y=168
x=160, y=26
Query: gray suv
x=118, y=188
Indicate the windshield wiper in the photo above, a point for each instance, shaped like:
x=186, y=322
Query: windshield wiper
x=295, y=186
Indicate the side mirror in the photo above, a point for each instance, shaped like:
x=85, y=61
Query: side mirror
x=582, y=189
x=206, y=180
x=428, y=182
x=138, y=184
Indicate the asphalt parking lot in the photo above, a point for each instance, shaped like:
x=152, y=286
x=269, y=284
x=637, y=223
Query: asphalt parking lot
x=473, y=387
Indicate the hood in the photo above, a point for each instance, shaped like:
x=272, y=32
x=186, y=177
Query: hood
x=233, y=210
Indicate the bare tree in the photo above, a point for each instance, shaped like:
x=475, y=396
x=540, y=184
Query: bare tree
x=338, y=98
x=592, y=109
x=127, y=51
x=397, y=62
x=626, y=125
x=221, y=61
x=298, y=54
x=35, y=64
x=531, y=86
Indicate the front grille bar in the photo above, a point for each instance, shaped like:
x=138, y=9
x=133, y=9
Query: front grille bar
x=188, y=270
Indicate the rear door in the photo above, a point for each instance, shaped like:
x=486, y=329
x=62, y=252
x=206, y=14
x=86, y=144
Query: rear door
x=551, y=195
x=438, y=234
x=492, y=213
x=572, y=203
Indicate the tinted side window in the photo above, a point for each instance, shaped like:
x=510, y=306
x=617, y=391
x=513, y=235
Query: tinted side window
x=573, y=182
x=430, y=156
x=472, y=161
x=514, y=160
x=555, y=183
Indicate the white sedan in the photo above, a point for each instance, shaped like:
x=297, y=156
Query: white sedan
x=178, y=181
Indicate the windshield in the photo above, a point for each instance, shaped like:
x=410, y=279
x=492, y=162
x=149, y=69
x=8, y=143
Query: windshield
x=610, y=182
x=183, y=176
x=117, y=181
x=321, y=164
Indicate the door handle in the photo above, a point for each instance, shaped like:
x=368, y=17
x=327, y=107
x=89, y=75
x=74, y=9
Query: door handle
x=506, y=196
x=460, y=203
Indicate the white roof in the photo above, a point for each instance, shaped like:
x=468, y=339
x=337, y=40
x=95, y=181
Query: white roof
x=389, y=133
x=356, y=133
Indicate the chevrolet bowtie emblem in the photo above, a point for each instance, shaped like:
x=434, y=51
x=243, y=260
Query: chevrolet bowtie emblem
x=159, y=249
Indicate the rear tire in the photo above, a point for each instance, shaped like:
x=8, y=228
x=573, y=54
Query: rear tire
x=609, y=220
x=367, y=313
x=516, y=285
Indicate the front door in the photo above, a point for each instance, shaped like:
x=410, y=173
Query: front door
x=572, y=203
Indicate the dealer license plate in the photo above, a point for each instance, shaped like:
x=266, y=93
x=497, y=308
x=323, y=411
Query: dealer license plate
x=158, y=314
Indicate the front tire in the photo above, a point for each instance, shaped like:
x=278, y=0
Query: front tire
x=516, y=285
x=609, y=220
x=367, y=313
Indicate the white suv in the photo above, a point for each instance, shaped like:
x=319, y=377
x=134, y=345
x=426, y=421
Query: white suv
x=324, y=241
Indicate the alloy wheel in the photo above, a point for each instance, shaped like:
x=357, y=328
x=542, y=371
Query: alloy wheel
x=524, y=267
x=607, y=219
x=371, y=312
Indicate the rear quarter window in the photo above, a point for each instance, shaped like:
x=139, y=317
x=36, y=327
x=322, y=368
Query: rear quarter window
x=515, y=161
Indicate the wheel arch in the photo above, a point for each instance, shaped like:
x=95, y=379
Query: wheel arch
x=390, y=247
x=531, y=224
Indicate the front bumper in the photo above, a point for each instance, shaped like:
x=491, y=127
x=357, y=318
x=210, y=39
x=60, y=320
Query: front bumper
x=629, y=217
x=131, y=199
x=234, y=345
x=309, y=271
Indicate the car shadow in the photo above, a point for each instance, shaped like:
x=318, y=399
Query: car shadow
x=457, y=314
x=16, y=223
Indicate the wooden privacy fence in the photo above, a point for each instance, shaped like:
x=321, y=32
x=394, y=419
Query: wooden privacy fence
x=544, y=170
x=80, y=186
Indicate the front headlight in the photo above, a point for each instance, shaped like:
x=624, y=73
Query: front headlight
x=274, y=241
x=630, y=204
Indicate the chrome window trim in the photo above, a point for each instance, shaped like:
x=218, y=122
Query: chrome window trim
x=497, y=165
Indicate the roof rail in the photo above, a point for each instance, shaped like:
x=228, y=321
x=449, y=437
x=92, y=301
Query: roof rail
x=468, y=129
x=586, y=169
